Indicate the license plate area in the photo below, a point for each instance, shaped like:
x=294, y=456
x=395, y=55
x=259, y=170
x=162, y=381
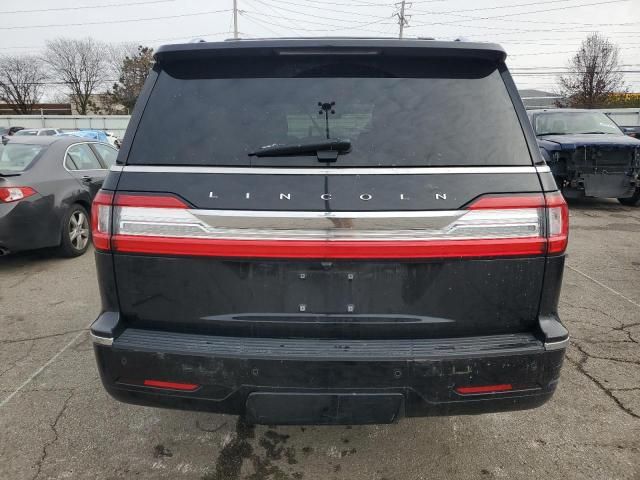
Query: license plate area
x=323, y=409
x=325, y=291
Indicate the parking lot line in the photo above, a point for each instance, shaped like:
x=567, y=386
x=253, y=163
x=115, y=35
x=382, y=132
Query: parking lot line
x=602, y=285
x=40, y=370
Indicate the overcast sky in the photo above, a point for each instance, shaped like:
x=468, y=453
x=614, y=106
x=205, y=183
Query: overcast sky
x=539, y=36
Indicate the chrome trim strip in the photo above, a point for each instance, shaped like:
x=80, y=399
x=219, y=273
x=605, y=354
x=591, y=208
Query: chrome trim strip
x=107, y=341
x=64, y=157
x=561, y=345
x=330, y=171
x=288, y=221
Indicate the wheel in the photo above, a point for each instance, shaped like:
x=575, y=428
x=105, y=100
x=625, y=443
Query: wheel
x=632, y=201
x=76, y=232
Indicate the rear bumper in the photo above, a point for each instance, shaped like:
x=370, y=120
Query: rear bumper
x=310, y=381
x=24, y=225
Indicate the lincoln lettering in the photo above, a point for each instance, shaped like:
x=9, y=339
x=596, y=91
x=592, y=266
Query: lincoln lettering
x=365, y=197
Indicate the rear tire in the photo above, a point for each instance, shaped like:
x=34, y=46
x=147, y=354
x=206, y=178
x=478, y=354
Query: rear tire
x=76, y=232
x=633, y=201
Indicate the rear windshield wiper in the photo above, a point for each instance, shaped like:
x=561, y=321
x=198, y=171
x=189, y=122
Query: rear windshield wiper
x=326, y=150
x=550, y=133
x=9, y=174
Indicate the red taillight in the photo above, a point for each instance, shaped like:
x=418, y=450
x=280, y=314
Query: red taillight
x=525, y=200
x=185, y=387
x=557, y=222
x=101, y=220
x=148, y=201
x=491, y=226
x=502, y=387
x=106, y=206
x=13, y=194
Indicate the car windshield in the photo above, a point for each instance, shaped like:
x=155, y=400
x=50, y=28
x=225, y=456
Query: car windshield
x=16, y=157
x=575, y=123
x=26, y=132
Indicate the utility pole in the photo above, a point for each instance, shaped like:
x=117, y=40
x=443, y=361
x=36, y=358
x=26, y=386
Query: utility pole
x=403, y=19
x=235, y=19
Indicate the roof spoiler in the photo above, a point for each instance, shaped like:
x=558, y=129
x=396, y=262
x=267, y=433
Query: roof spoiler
x=331, y=46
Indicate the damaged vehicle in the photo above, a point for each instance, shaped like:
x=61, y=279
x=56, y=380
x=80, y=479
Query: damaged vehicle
x=589, y=155
x=296, y=232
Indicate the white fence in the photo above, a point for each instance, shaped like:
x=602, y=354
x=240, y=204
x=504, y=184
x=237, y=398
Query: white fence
x=113, y=123
x=626, y=117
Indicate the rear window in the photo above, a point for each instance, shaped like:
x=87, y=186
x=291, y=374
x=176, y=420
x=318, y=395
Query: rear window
x=438, y=112
x=16, y=157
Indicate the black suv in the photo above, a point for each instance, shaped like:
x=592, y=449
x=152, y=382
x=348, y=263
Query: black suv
x=330, y=231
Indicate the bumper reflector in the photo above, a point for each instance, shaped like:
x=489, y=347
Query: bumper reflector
x=185, y=387
x=503, y=387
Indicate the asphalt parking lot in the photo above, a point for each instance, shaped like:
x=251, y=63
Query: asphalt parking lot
x=57, y=422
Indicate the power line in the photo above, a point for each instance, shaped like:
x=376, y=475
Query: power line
x=332, y=10
x=102, y=22
x=82, y=7
x=265, y=26
x=352, y=3
x=565, y=7
x=457, y=22
x=515, y=5
x=558, y=53
x=564, y=73
x=324, y=17
x=545, y=22
x=353, y=26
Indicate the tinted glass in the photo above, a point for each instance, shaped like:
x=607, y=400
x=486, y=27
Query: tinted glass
x=108, y=154
x=434, y=113
x=563, y=123
x=80, y=157
x=16, y=157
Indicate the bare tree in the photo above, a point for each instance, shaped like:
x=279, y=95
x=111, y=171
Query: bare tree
x=593, y=74
x=117, y=53
x=21, y=81
x=81, y=65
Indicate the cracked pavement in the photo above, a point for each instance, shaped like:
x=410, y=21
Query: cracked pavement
x=61, y=424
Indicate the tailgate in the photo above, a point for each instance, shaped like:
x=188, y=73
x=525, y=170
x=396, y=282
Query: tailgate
x=403, y=287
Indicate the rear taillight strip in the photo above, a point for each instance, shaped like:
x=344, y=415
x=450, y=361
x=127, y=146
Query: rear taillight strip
x=329, y=249
x=493, y=226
